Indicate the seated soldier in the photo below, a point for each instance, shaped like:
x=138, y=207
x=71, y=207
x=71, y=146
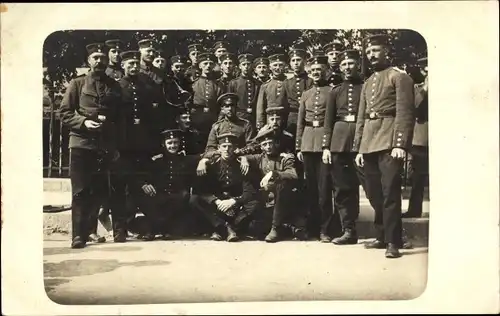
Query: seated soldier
x=224, y=195
x=278, y=182
x=165, y=182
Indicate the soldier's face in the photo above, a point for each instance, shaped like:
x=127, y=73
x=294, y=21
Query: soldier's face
x=147, y=54
x=297, y=63
x=318, y=72
x=172, y=145
x=193, y=56
x=349, y=67
x=184, y=121
x=274, y=121
x=226, y=150
x=377, y=54
x=160, y=63
x=130, y=67
x=207, y=66
x=220, y=51
x=227, y=66
x=114, y=56
x=333, y=57
x=228, y=110
x=178, y=69
x=245, y=67
x=98, y=61
x=268, y=147
x=278, y=68
x=262, y=70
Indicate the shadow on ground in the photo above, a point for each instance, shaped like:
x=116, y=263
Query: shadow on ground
x=72, y=268
x=67, y=250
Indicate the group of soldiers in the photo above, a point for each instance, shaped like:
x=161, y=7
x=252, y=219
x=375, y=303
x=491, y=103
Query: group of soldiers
x=246, y=153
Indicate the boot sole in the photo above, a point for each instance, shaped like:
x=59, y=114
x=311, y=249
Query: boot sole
x=345, y=242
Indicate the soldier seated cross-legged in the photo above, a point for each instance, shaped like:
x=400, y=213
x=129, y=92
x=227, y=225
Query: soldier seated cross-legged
x=224, y=195
x=165, y=181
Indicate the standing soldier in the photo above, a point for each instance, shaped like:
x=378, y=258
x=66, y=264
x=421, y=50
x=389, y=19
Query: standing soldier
x=220, y=48
x=206, y=90
x=332, y=50
x=309, y=145
x=338, y=154
x=193, y=72
x=165, y=183
x=114, y=69
x=178, y=69
x=420, y=148
x=247, y=89
x=272, y=93
x=384, y=131
x=261, y=70
x=136, y=137
x=295, y=86
x=89, y=108
x=277, y=180
x=227, y=62
x=225, y=196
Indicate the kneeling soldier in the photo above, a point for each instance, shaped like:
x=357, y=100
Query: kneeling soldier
x=224, y=195
x=278, y=179
x=165, y=183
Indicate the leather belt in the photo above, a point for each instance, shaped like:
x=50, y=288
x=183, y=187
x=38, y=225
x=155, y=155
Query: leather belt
x=314, y=124
x=347, y=118
x=378, y=115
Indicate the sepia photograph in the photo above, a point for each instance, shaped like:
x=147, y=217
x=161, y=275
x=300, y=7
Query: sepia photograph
x=250, y=158
x=212, y=165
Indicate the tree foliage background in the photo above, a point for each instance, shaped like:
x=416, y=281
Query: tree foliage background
x=64, y=51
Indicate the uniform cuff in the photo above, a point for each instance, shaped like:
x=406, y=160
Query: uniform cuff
x=399, y=140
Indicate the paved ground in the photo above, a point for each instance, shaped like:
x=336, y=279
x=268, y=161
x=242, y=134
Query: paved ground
x=203, y=271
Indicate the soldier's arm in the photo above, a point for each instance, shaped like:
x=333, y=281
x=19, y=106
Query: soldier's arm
x=360, y=123
x=404, y=122
x=249, y=132
x=300, y=123
x=211, y=146
x=261, y=107
x=331, y=112
x=288, y=172
x=250, y=148
x=70, y=104
x=420, y=97
x=249, y=192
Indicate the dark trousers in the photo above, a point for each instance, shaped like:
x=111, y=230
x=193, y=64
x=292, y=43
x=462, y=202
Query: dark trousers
x=319, y=217
x=161, y=209
x=218, y=219
x=420, y=166
x=124, y=175
x=344, y=177
x=383, y=185
x=89, y=189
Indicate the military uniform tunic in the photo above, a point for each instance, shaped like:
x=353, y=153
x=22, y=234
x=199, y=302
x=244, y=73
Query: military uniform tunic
x=294, y=87
x=193, y=73
x=386, y=112
x=271, y=94
x=192, y=142
x=205, y=109
x=421, y=131
x=247, y=90
x=311, y=119
x=239, y=127
x=224, y=83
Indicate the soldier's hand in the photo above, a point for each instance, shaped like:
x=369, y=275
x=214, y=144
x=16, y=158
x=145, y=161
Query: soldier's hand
x=398, y=153
x=149, y=189
x=327, y=156
x=90, y=124
x=244, y=166
x=426, y=85
x=101, y=118
x=360, y=161
x=202, y=167
x=300, y=157
x=265, y=181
